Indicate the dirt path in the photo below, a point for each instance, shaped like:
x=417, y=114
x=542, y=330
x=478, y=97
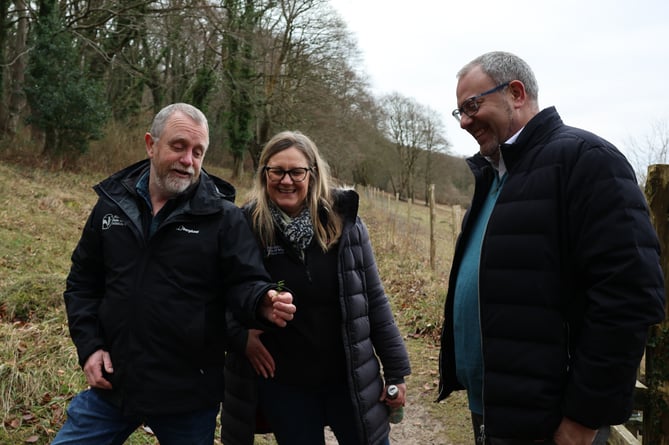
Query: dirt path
x=417, y=428
x=425, y=422
x=421, y=426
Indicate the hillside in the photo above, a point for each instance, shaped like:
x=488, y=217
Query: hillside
x=41, y=216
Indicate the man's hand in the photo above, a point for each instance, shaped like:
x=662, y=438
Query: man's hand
x=93, y=367
x=278, y=307
x=258, y=355
x=573, y=433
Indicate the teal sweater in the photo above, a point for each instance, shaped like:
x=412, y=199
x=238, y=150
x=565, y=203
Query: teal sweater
x=467, y=331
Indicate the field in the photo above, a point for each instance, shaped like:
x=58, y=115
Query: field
x=41, y=215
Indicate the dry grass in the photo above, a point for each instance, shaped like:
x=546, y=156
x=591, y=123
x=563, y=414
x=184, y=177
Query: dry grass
x=42, y=211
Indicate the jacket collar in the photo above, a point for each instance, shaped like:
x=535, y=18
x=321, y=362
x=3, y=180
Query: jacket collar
x=205, y=197
x=537, y=130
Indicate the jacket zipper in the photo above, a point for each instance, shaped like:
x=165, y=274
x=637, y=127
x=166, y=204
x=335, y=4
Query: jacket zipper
x=496, y=191
x=482, y=437
x=306, y=267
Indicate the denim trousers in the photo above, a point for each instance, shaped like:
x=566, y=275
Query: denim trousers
x=92, y=420
x=298, y=416
x=600, y=439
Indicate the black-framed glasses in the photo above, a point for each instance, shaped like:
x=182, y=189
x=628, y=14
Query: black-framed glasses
x=276, y=174
x=471, y=106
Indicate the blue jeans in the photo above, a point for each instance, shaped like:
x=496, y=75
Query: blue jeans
x=298, y=416
x=92, y=420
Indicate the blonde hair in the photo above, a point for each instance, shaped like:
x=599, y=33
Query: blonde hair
x=319, y=194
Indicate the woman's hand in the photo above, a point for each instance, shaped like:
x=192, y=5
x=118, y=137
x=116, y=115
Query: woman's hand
x=258, y=355
x=397, y=401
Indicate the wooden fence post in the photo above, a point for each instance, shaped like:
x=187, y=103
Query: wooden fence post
x=656, y=412
x=433, y=217
x=457, y=221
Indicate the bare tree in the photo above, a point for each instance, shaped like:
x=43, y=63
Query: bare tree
x=652, y=149
x=142, y=45
x=256, y=66
x=17, y=98
x=324, y=96
x=239, y=75
x=405, y=126
x=5, y=26
x=298, y=47
x=435, y=142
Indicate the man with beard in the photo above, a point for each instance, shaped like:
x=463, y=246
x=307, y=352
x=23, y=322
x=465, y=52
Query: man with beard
x=556, y=275
x=163, y=254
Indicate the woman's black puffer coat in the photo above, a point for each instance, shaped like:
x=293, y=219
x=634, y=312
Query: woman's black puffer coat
x=368, y=328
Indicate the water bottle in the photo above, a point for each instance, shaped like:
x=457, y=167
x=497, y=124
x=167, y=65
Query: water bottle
x=395, y=414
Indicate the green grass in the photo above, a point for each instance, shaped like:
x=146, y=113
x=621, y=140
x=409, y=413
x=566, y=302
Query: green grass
x=41, y=216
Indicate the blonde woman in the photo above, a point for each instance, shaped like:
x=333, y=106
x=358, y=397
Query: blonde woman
x=331, y=365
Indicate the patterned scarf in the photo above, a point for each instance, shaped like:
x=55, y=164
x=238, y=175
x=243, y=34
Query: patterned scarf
x=298, y=231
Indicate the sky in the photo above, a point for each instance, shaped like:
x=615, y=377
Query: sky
x=604, y=64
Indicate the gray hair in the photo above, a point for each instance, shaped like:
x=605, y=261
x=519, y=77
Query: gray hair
x=503, y=67
x=160, y=120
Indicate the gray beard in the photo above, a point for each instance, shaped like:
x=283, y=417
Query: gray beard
x=173, y=186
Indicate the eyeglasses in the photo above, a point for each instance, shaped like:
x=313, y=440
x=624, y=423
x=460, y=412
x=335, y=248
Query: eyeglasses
x=471, y=106
x=276, y=174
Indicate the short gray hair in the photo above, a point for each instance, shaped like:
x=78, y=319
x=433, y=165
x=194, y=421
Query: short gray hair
x=159, y=121
x=503, y=67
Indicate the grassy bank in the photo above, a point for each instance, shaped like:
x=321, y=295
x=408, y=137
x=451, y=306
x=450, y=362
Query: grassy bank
x=41, y=216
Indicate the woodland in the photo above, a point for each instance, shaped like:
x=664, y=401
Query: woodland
x=75, y=73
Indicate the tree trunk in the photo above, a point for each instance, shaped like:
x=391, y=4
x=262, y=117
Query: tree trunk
x=4, y=30
x=17, y=98
x=655, y=415
x=50, y=141
x=237, y=165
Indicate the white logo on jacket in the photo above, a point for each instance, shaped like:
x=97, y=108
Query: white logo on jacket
x=183, y=228
x=274, y=250
x=110, y=220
